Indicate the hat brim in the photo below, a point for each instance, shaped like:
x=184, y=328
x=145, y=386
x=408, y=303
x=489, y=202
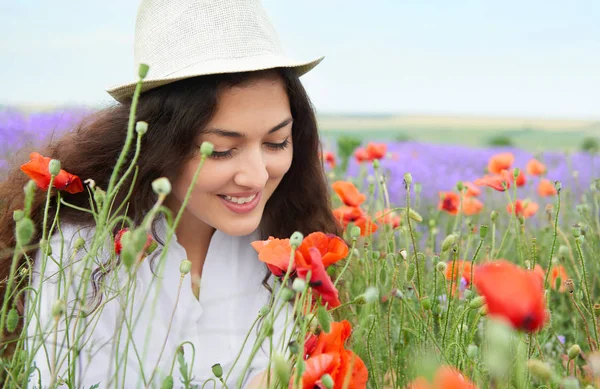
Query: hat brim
x=124, y=92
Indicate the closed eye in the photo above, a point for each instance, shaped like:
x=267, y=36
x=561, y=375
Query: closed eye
x=273, y=146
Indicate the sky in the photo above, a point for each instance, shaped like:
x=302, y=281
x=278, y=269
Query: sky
x=532, y=58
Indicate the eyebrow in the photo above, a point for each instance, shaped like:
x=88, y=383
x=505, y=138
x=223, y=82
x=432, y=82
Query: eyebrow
x=235, y=134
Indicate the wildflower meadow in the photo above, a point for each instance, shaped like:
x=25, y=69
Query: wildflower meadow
x=458, y=268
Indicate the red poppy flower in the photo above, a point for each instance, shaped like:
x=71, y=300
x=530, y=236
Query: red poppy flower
x=546, y=188
x=275, y=253
x=471, y=206
x=319, y=281
x=535, y=167
x=499, y=162
x=329, y=356
x=119, y=246
x=445, y=378
x=449, y=202
x=512, y=293
x=346, y=214
x=361, y=155
x=331, y=247
x=556, y=272
x=349, y=193
x=367, y=227
x=472, y=189
x=524, y=208
x=38, y=170
x=499, y=182
x=376, y=150
x=388, y=217
x=329, y=159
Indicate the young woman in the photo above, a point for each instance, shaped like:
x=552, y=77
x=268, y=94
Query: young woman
x=217, y=74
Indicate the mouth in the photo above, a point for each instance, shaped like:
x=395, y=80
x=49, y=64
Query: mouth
x=241, y=203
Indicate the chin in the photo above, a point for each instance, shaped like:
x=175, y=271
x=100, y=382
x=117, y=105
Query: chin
x=238, y=227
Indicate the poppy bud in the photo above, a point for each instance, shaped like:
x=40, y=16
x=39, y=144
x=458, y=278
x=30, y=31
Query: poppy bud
x=569, y=285
x=410, y=272
x=570, y=383
x=558, y=186
x=293, y=347
x=539, y=369
x=494, y=216
x=18, y=215
x=574, y=351
x=402, y=253
x=99, y=196
x=327, y=381
x=24, y=231
x=167, y=383
x=477, y=302
x=324, y=319
x=296, y=239
x=376, y=163
x=408, y=179
x=417, y=187
x=217, y=370
x=483, y=311
x=281, y=367
x=375, y=254
x=46, y=247
x=141, y=127
x=12, y=320
x=448, y=242
x=426, y=303
x=360, y=300
x=355, y=232
x=414, y=215
x=127, y=257
x=185, y=266
x=516, y=173
x=58, y=309
x=143, y=70
x=472, y=351
x=460, y=186
x=161, y=186
x=287, y=294
x=54, y=167
x=469, y=294
x=521, y=219
x=483, y=230
x=264, y=311
x=79, y=243
x=576, y=231
x=207, y=148
x=563, y=251
x=299, y=285
x=441, y=266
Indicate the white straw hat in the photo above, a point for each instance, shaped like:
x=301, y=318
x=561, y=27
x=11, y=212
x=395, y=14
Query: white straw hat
x=180, y=39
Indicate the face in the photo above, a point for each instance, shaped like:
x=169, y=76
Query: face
x=252, y=137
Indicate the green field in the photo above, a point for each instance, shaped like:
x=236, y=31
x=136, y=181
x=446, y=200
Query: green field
x=530, y=134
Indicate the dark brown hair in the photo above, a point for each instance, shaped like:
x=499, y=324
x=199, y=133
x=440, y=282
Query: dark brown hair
x=175, y=112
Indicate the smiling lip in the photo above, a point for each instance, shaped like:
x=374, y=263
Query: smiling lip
x=242, y=208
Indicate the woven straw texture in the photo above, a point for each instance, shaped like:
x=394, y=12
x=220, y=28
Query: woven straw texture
x=186, y=38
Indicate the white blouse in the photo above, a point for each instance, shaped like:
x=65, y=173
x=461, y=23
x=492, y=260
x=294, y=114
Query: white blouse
x=231, y=296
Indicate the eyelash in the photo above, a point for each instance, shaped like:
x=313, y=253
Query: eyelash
x=228, y=154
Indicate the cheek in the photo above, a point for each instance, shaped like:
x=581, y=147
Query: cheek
x=279, y=164
x=209, y=180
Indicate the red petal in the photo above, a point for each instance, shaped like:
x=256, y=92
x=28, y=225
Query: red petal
x=348, y=193
x=319, y=279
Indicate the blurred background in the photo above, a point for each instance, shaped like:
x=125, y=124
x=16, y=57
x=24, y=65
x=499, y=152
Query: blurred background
x=470, y=73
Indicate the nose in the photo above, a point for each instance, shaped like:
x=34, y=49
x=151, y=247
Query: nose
x=252, y=172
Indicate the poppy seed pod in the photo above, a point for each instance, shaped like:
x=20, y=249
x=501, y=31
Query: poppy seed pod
x=217, y=370
x=264, y=311
x=299, y=285
x=576, y=230
x=539, y=369
x=569, y=285
x=355, y=232
x=207, y=148
x=408, y=179
x=281, y=367
x=570, y=383
x=143, y=70
x=58, y=309
x=161, y=186
x=296, y=239
x=597, y=310
x=558, y=186
x=441, y=267
x=494, y=216
x=516, y=173
x=483, y=230
x=287, y=294
x=376, y=163
x=79, y=243
x=327, y=381
x=141, y=127
x=54, y=167
x=477, y=302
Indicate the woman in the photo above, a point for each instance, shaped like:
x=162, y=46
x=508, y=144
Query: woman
x=217, y=74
